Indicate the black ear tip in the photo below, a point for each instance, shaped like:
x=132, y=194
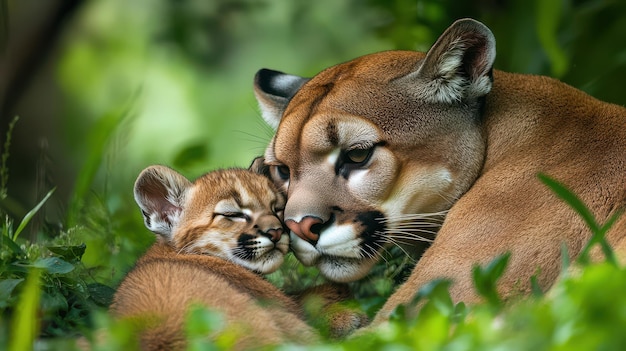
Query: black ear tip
x=265, y=74
x=265, y=78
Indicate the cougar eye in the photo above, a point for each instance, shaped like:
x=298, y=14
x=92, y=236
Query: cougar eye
x=358, y=155
x=353, y=159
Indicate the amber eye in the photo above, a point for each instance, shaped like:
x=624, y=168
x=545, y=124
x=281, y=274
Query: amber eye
x=358, y=155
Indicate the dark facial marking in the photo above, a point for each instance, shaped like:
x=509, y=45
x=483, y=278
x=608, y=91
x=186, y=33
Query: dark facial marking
x=235, y=195
x=244, y=251
x=373, y=229
x=332, y=133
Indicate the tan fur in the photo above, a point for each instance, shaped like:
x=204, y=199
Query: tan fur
x=562, y=131
x=164, y=284
x=441, y=137
x=175, y=273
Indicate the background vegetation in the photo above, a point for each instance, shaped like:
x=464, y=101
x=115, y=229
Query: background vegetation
x=104, y=88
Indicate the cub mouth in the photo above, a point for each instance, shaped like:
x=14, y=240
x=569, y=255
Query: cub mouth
x=263, y=262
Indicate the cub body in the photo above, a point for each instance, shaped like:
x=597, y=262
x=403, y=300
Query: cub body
x=372, y=152
x=214, y=236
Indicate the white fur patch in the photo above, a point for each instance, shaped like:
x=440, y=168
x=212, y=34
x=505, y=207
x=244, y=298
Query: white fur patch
x=344, y=270
x=340, y=240
x=271, y=115
x=425, y=192
x=304, y=251
x=357, y=178
x=332, y=157
x=156, y=224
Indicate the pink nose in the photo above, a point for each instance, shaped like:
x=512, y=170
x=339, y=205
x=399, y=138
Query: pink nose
x=274, y=234
x=303, y=228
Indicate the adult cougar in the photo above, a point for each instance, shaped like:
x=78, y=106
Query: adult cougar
x=367, y=150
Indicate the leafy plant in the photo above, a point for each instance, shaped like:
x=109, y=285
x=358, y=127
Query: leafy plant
x=486, y=278
x=44, y=288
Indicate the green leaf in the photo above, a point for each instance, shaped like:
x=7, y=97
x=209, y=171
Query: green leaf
x=201, y=321
x=31, y=213
x=70, y=253
x=53, y=265
x=101, y=294
x=431, y=289
x=535, y=287
x=485, y=278
x=53, y=301
x=6, y=288
x=460, y=312
x=15, y=248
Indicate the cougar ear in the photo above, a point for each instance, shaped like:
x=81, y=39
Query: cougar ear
x=273, y=91
x=160, y=193
x=459, y=65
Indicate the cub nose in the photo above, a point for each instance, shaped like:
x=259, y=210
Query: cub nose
x=304, y=228
x=273, y=234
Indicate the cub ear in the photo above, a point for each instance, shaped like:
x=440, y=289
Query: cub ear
x=159, y=192
x=459, y=65
x=273, y=91
x=258, y=166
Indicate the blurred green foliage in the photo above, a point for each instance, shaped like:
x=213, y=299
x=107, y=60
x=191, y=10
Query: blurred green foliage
x=170, y=81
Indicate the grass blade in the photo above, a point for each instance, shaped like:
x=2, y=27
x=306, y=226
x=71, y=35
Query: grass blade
x=31, y=214
x=25, y=324
x=572, y=200
x=4, y=170
x=598, y=231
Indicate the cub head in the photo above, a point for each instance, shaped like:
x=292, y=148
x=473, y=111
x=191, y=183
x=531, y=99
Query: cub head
x=231, y=214
x=367, y=150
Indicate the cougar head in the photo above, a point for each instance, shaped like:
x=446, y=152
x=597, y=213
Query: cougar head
x=367, y=149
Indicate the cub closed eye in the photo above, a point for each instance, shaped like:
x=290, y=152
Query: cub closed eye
x=234, y=215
